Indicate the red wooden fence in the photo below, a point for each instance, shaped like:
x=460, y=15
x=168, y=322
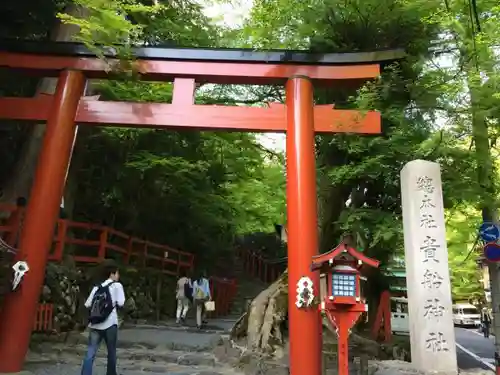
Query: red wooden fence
x=44, y=318
x=223, y=292
x=257, y=266
x=93, y=243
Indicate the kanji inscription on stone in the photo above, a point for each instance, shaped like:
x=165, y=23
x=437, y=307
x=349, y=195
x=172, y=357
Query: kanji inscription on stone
x=436, y=342
x=427, y=202
x=425, y=184
x=429, y=247
x=432, y=280
x=427, y=221
x=433, y=308
x=432, y=335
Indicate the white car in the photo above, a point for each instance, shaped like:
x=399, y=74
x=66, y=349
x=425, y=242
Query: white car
x=465, y=314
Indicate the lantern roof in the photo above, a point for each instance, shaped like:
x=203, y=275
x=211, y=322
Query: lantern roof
x=342, y=249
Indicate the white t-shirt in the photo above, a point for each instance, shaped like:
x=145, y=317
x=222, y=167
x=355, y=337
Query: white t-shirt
x=118, y=298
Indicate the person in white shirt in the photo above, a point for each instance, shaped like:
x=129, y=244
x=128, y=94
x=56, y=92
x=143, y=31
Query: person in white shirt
x=103, y=320
x=184, y=295
x=201, y=294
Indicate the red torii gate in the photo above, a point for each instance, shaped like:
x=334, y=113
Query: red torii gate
x=73, y=65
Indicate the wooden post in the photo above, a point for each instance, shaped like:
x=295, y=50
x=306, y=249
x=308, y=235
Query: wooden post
x=130, y=244
x=103, y=243
x=343, y=349
x=158, y=295
x=305, y=324
x=43, y=208
x=62, y=229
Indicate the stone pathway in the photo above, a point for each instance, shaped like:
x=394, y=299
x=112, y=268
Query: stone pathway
x=169, y=349
x=165, y=348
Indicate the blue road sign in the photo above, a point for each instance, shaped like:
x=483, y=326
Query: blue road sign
x=492, y=252
x=489, y=232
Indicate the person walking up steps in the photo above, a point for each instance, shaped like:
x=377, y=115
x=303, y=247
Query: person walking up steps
x=103, y=319
x=184, y=295
x=201, y=294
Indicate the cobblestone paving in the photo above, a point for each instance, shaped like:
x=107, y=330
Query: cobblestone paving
x=143, y=349
x=138, y=369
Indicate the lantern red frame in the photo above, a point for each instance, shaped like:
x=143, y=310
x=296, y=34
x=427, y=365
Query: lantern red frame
x=73, y=64
x=343, y=311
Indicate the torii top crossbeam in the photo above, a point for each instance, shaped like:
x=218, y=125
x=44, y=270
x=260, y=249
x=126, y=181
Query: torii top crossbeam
x=73, y=64
x=227, y=66
x=187, y=66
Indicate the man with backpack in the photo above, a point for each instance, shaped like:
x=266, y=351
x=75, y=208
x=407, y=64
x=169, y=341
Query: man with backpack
x=103, y=319
x=184, y=296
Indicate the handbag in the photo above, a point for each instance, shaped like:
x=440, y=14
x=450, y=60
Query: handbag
x=210, y=306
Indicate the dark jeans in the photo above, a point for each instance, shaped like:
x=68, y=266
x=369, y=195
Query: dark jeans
x=486, y=330
x=109, y=336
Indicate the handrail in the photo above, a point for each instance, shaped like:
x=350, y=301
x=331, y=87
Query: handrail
x=223, y=291
x=104, y=242
x=257, y=266
x=101, y=242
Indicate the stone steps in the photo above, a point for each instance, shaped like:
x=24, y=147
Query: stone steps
x=61, y=352
x=248, y=289
x=66, y=359
x=129, y=369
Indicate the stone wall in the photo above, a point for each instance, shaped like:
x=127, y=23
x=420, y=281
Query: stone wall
x=67, y=287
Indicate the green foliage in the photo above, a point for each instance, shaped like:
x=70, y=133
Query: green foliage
x=122, y=24
x=359, y=176
x=260, y=200
x=199, y=190
x=465, y=274
x=192, y=190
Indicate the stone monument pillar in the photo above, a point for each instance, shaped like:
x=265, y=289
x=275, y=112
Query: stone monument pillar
x=432, y=334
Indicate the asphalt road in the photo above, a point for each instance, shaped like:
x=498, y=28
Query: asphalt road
x=474, y=350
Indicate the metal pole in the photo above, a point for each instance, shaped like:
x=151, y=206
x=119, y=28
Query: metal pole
x=495, y=301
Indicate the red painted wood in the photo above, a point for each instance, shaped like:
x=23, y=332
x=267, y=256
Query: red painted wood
x=183, y=91
x=324, y=258
x=201, y=117
x=44, y=318
x=41, y=215
x=207, y=72
x=224, y=291
x=383, y=318
x=343, y=320
x=304, y=324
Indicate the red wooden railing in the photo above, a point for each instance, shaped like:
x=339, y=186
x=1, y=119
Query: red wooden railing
x=93, y=243
x=223, y=292
x=44, y=318
x=257, y=266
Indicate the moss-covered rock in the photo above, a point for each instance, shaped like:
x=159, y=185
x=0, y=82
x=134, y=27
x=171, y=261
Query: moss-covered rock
x=149, y=295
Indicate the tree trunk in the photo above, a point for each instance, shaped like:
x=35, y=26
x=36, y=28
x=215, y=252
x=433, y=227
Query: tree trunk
x=20, y=183
x=263, y=323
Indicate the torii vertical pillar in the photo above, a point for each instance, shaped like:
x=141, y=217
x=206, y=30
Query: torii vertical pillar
x=43, y=206
x=304, y=324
